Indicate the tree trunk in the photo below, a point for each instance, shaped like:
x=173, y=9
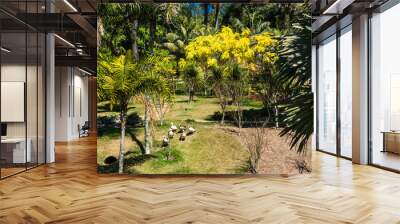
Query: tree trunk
x=135, y=50
x=205, y=6
x=239, y=112
x=147, y=139
x=276, y=116
x=161, y=120
x=191, y=93
x=122, y=141
x=217, y=8
x=100, y=31
x=223, y=116
x=153, y=24
x=222, y=102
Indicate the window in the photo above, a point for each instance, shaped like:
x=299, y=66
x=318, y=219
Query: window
x=346, y=92
x=385, y=89
x=327, y=95
x=22, y=77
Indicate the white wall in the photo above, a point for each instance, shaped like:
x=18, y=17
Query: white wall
x=71, y=102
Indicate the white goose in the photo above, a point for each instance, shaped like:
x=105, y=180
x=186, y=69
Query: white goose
x=182, y=137
x=170, y=133
x=173, y=127
x=191, y=130
x=181, y=129
x=165, y=142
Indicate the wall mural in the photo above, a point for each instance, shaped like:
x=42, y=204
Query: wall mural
x=204, y=88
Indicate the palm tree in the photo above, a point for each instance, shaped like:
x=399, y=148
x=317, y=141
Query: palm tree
x=237, y=78
x=116, y=77
x=217, y=7
x=191, y=77
x=206, y=13
x=119, y=80
x=221, y=89
x=176, y=42
x=295, y=73
x=132, y=11
x=151, y=83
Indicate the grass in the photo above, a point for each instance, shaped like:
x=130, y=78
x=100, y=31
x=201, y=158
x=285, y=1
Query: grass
x=209, y=151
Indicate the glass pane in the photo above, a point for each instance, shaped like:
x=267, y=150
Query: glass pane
x=385, y=84
x=327, y=95
x=13, y=86
x=32, y=98
x=41, y=98
x=346, y=92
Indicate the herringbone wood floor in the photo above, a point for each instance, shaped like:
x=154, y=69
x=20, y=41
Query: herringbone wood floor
x=70, y=191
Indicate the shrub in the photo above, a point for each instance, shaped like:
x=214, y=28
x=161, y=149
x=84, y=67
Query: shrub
x=166, y=156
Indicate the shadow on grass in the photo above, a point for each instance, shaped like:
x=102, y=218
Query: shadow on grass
x=132, y=134
x=132, y=158
x=110, y=125
x=186, y=101
x=249, y=117
x=106, y=107
x=158, y=160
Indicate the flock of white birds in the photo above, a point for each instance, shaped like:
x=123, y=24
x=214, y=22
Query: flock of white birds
x=182, y=131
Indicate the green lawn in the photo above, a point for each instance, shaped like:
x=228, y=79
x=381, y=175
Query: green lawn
x=209, y=150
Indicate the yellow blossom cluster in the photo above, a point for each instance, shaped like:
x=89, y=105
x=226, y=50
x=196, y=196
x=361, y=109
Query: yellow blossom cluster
x=228, y=46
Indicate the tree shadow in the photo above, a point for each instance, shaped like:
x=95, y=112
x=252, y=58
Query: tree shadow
x=110, y=124
x=186, y=101
x=132, y=134
x=251, y=117
x=132, y=158
x=106, y=107
x=137, y=160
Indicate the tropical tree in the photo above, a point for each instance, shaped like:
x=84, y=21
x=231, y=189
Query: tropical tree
x=155, y=13
x=237, y=54
x=154, y=88
x=220, y=86
x=206, y=10
x=117, y=79
x=295, y=73
x=113, y=31
x=191, y=77
x=164, y=69
x=121, y=33
x=217, y=7
x=238, y=80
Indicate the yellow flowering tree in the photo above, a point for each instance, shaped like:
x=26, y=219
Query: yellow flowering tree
x=228, y=49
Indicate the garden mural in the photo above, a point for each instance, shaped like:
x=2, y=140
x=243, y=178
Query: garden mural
x=204, y=88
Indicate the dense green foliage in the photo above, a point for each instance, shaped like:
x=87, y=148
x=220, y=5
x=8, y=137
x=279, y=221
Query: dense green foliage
x=148, y=53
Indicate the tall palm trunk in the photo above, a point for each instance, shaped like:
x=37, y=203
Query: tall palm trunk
x=223, y=108
x=276, y=116
x=135, y=50
x=122, y=139
x=205, y=7
x=100, y=31
x=217, y=9
x=239, y=112
x=147, y=137
x=153, y=25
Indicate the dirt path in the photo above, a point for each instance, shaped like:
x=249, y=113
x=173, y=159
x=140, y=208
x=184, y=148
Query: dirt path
x=277, y=158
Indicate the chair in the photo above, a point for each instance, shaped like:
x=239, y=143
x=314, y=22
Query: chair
x=84, y=130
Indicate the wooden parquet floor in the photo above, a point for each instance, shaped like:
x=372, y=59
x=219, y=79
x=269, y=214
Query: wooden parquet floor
x=70, y=191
